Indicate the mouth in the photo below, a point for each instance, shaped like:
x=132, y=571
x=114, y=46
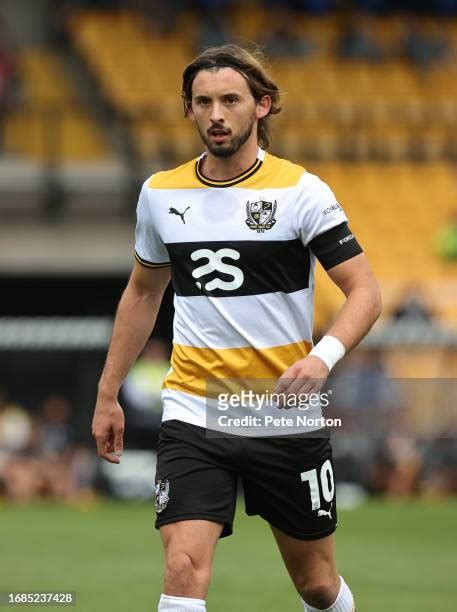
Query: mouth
x=218, y=134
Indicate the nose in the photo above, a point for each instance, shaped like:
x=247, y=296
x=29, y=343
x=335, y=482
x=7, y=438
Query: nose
x=217, y=115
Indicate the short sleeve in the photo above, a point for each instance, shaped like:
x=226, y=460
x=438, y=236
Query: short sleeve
x=150, y=251
x=323, y=226
x=318, y=208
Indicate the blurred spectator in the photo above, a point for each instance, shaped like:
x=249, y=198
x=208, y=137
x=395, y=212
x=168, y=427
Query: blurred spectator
x=421, y=47
x=357, y=39
x=367, y=373
x=282, y=41
x=397, y=468
x=361, y=397
x=439, y=476
x=142, y=393
x=15, y=427
x=162, y=16
x=23, y=479
x=55, y=448
x=37, y=457
x=413, y=307
x=83, y=471
x=447, y=240
x=212, y=32
x=54, y=427
x=57, y=477
x=19, y=475
x=213, y=21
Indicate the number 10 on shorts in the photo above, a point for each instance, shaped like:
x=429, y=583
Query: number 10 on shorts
x=327, y=484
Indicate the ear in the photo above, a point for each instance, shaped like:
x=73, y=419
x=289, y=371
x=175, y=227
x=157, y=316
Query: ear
x=263, y=107
x=189, y=111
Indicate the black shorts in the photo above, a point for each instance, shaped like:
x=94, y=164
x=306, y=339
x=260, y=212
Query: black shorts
x=288, y=481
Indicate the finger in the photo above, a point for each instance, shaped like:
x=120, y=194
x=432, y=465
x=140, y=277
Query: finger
x=316, y=384
x=110, y=457
x=118, y=441
x=288, y=394
x=108, y=454
x=109, y=442
x=105, y=447
x=283, y=384
x=314, y=387
x=309, y=394
x=281, y=393
x=111, y=449
x=100, y=440
x=294, y=390
x=303, y=394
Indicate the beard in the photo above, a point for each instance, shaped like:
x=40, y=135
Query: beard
x=233, y=146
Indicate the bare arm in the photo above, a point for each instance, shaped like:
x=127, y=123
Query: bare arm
x=363, y=303
x=358, y=313
x=135, y=319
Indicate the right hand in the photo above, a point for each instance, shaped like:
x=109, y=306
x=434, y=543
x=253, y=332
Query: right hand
x=108, y=429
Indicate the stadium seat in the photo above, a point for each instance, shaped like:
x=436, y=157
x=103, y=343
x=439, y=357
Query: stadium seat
x=52, y=123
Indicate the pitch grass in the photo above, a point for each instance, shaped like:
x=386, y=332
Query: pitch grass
x=396, y=557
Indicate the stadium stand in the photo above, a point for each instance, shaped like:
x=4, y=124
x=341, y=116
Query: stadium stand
x=370, y=129
x=397, y=111
x=391, y=209
x=52, y=124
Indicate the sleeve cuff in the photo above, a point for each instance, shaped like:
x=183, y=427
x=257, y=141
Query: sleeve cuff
x=151, y=264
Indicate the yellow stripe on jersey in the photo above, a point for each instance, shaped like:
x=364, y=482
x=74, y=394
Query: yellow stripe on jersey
x=272, y=173
x=192, y=367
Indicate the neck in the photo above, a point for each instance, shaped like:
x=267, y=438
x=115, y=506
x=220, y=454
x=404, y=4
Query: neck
x=225, y=168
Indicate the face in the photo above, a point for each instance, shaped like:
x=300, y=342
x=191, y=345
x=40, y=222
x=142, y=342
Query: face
x=225, y=110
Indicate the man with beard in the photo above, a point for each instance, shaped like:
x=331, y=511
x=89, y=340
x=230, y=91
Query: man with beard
x=240, y=230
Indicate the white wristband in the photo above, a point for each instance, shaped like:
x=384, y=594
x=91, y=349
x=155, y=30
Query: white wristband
x=330, y=350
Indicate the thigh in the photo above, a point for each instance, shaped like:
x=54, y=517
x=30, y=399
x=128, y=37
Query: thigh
x=194, y=478
x=289, y=482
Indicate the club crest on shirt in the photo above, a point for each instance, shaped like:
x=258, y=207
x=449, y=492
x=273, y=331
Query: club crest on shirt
x=260, y=215
x=162, y=495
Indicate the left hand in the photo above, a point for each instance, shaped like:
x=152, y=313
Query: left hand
x=308, y=375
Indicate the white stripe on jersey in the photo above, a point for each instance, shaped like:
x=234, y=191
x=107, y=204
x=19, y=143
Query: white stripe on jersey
x=251, y=325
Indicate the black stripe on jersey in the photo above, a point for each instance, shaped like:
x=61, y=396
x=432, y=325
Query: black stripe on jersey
x=233, y=268
x=334, y=246
x=150, y=264
x=222, y=183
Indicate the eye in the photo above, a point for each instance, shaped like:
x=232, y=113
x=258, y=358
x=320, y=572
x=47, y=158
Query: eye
x=231, y=99
x=203, y=101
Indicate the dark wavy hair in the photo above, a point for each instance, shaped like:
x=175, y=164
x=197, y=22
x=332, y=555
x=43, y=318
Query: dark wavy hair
x=251, y=65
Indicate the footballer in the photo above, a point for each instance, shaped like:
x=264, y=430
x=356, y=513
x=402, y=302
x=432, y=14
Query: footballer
x=238, y=231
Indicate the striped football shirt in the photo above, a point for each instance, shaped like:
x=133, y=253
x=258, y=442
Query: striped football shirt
x=242, y=254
